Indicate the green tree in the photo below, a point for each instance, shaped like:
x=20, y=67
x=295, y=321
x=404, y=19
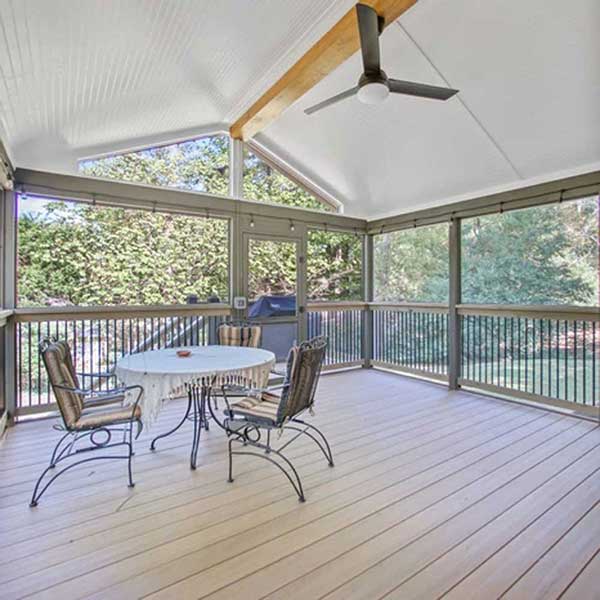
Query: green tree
x=85, y=255
x=78, y=254
x=334, y=266
x=200, y=165
x=412, y=265
x=266, y=184
x=542, y=255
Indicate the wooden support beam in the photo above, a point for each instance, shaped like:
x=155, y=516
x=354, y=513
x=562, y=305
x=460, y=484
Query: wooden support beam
x=336, y=46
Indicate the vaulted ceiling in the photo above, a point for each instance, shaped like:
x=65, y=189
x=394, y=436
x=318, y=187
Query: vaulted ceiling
x=80, y=78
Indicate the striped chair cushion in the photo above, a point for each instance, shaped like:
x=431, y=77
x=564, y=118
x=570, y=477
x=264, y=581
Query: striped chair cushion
x=59, y=365
x=239, y=335
x=262, y=409
x=104, y=418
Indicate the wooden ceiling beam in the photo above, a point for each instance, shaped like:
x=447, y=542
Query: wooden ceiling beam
x=336, y=46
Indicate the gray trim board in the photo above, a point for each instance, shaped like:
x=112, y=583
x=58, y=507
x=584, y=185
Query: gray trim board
x=116, y=193
x=569, y=188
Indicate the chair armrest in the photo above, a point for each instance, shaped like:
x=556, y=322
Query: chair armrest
x=275, y=387
x=104, y=374
x=102, y=398
x=93, y=399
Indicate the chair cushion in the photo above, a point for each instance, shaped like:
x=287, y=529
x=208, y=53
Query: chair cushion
x=102, y=418
x=263, y=409
x=59, y=366
x=239, y=335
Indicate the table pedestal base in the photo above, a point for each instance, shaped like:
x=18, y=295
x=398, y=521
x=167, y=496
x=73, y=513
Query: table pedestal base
x=196, y=411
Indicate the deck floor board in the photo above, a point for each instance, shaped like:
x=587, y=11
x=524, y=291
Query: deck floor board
x=434, y=494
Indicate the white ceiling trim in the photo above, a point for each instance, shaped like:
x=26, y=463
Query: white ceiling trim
x=146, y=142
x=288, y=169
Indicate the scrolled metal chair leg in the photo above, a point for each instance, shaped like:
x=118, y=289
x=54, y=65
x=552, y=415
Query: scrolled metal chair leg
x=55, y=454
x=294, y=479
x=37, y=494
x=325, y=447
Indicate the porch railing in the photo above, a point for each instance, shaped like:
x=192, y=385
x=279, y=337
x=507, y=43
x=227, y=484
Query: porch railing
x=547, y=354
x=98, y=337
x=544, y=353
x=343, y=324
x=412, y=338
x=541, y=353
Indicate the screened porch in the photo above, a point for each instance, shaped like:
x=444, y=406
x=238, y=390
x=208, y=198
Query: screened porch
x=299, y=299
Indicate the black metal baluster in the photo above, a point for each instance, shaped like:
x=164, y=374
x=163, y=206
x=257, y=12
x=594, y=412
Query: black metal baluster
x=467, y=354
x=566, y=361
x=594, y=391
x=584, y=362
x=575, y=345
x=519, y=353
x=541, y=321
x=479, y=347
x=558, y=359
x=549, y=353
x=40, y=383
x=526, y=354
x=533, y=347
x=19, y=359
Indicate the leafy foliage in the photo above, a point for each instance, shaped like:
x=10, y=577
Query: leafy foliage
x=84, y=255
x=411, y=265
x=271, y=268
x=334, y=266
x=266, y=184
x=78, y=254
x=541, y=255
x=201, y=165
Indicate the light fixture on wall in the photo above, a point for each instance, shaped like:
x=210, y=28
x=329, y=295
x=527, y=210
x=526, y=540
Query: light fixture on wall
x=251, y=221
x=292, y=226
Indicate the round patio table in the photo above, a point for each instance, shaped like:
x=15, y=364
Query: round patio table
x=165, y=375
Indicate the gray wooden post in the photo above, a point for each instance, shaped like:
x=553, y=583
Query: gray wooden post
x=454, y=298
x=8, y=300
x=367, y=274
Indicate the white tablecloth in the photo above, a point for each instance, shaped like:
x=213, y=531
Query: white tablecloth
x=164, y=375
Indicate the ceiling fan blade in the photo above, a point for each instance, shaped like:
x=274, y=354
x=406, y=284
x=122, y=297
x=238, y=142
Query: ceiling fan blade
x=332, y=100
x=368, y=27
x=422, y=90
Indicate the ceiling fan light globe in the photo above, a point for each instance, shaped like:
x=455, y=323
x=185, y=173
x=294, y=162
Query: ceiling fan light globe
x=373, y=93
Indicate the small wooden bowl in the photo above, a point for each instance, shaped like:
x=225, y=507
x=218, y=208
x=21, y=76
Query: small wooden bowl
x=184, y=353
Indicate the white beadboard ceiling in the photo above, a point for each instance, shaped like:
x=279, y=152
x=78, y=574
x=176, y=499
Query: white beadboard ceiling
x=85, y=77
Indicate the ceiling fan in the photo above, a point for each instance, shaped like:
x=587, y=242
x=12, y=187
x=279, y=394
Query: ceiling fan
x=374, y=86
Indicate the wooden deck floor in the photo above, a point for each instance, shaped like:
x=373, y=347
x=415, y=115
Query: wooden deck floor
x=433, y=494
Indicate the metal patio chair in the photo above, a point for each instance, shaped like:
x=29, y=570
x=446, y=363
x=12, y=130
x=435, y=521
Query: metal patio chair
x=250, y=418
x=89, y=418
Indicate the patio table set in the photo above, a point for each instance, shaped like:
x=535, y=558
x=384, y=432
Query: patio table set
x=234, y=374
